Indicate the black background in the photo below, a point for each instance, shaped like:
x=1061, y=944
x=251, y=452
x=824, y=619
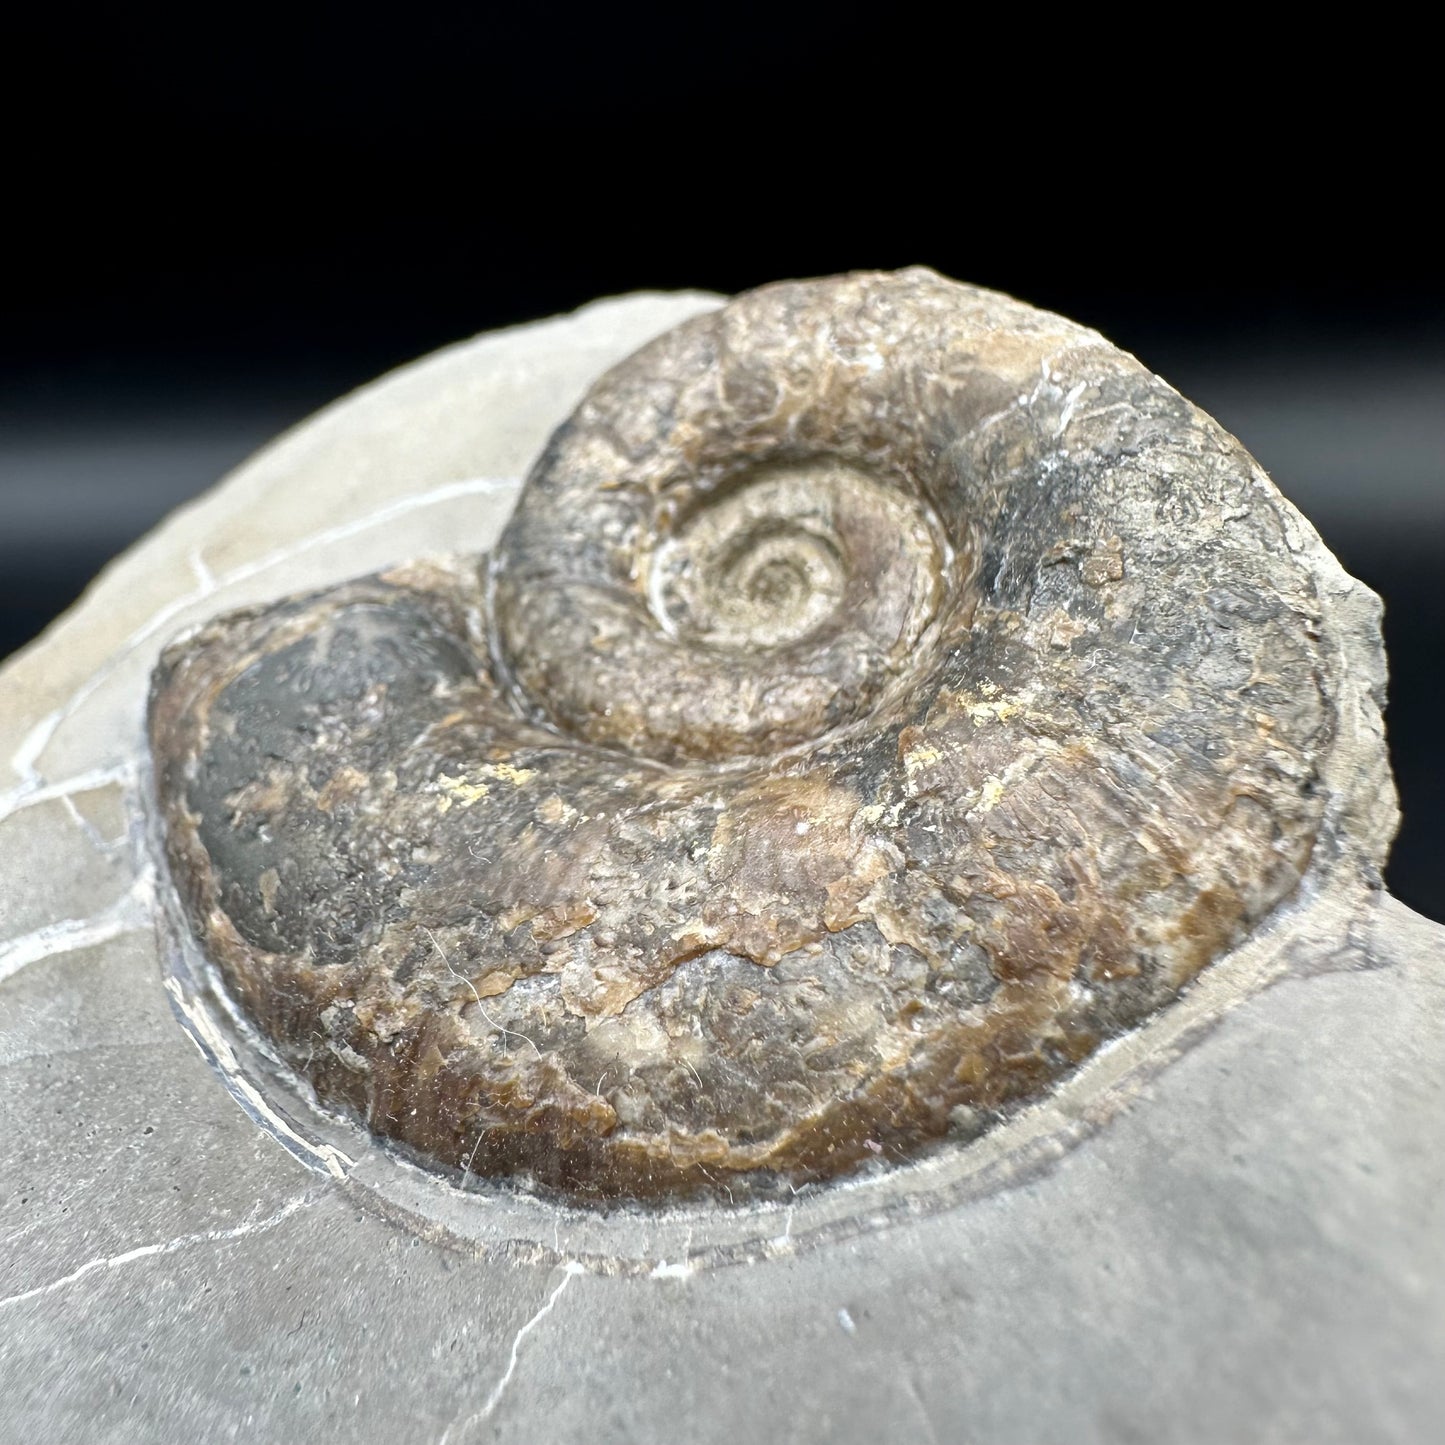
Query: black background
x=220, y=219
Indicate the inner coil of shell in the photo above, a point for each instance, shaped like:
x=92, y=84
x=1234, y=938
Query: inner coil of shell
x=883, y=694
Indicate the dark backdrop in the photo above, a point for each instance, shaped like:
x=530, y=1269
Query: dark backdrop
x=219, y=220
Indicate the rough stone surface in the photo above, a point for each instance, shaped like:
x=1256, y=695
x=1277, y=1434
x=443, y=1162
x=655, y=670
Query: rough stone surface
x=883, y=694
x=1227, y=1225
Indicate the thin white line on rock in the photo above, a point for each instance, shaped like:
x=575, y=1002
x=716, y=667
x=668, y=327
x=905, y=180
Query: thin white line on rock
x=131, y=911
x=169, y=1246
x=25, y=758
x=500, y=1388
x=20, y=798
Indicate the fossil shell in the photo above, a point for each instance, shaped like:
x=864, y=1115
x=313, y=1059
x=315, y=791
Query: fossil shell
x=883, y=694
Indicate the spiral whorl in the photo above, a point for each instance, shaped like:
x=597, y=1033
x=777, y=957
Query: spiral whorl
x=883, y=694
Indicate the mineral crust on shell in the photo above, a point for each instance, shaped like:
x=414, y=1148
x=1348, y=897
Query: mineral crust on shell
x=882, y=695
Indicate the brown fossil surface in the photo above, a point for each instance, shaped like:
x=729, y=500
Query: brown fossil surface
x=884, y=694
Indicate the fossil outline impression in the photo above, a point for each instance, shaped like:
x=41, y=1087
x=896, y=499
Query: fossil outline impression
x=883, y=694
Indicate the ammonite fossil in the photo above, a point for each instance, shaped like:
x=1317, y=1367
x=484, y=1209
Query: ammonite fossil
x=884, y=694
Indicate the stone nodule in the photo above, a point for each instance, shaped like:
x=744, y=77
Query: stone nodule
x=884, y=694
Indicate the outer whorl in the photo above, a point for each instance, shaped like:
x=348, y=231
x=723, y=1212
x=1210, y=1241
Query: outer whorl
x=883, y=694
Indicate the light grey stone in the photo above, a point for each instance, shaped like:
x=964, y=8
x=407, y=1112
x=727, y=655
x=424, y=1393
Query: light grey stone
x=1228, y=1226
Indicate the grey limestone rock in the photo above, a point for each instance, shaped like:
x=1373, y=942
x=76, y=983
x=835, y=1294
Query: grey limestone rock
x=1223, y=1223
